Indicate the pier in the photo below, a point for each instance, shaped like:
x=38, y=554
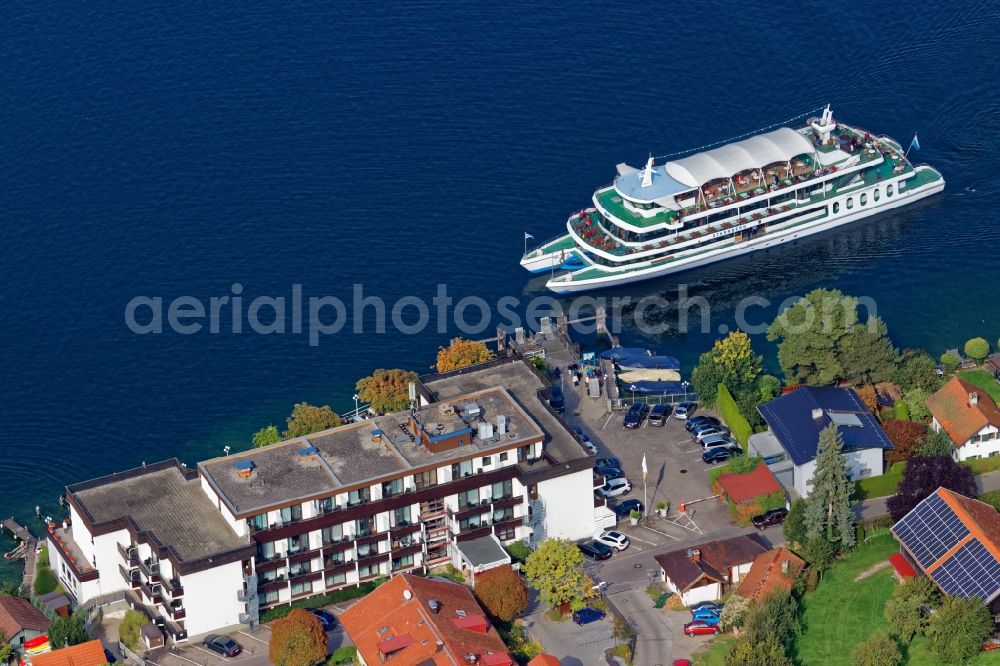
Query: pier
x=25, y=550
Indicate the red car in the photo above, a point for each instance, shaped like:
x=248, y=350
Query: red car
x=682, y=662
x=699, y=628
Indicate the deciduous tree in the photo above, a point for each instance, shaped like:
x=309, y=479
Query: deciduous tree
x=950, y=362
x=936, y=443
x=768, y=388
x=905, y=437
x=556, y=571
x=306, y=419
x=735, y=612
x=878, y=650
x=794, y=527
x=6, y=649
x=923, y=476
x=908, y=610
x=958, y=628
x=917, y=369
x=915, y=400
x=297, y=640
x=731, y=361
x=386, y=390
x=747, y=652
x=266, y=436
x=828, y=506
x=502, y=593
x=461, y=353
x=977, y=349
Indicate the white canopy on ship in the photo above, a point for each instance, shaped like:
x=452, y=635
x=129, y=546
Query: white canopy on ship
x=781, y=145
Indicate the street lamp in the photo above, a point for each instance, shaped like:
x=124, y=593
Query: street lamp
x=685, y=385
x=355, y=405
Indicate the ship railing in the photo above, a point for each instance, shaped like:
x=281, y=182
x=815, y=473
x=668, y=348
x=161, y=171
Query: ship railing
x=540, y=246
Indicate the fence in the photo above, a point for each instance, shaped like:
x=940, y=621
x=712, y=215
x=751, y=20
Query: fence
x=627, y=399
x=129, y=655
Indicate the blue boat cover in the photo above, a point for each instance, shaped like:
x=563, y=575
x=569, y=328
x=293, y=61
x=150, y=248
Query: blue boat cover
x=623, y=352
x=644, y=362
x=653, y=388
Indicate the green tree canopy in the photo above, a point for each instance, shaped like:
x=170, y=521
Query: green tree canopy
x=958, y=628
x=917, y=369
x=935, y=443
x=747, y=652
x=386, y=390
x=820, y=339
x=915, y=401
x=950, y=362
x=66, y=631
x=977, y=349
x=306, y=419
x=555, y=570
x=908, y=610
x=128, y=630
x=878, y=650
x=794, y=527
x=828, y=506
x=768, y=388
x=731, y=361
x=265, y=436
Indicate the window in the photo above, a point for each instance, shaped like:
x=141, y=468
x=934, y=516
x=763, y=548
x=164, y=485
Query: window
x=836, y=207
x=336, y=579
x=468, y=498
x=299, y=568
x=464, y=468
x=850, y=203
x=401, y=516
x=864, y=473
x=471, y=523
x=390, y=488
x=523, y=452
x=364, y=526
x=404, y=561
x=270, y=597
x=506, y=534
x=334, y=559
x=259, y=522
x=425, y=479
x=876, y=194
x=291, y=513
x=503, y=457
x=367, y=550
x=298, y=543
x=368, y=570
x=333, y=534
x=487, y=461
x=266, y=551
x=271, y=575
x=888, y=190
x=502, y=490
x=864, y=199
x=324, y=505
x=299, y=589
x=359, y=496
x=501, y=515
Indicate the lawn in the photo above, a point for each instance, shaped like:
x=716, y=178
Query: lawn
x=714, y=653
x=983, y=380
x=881, y=486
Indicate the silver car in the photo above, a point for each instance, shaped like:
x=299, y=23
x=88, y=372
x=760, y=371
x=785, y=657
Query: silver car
x=718, y=439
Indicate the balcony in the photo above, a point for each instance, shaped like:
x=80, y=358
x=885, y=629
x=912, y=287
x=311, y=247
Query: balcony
x=292, y=575
x=129, y=554
x=176, y=611
x=176, y=631
x=131, y=576
x=173, y=587
x=151, y=569
x=152, y=592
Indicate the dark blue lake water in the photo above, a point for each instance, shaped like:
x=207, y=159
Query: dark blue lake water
x=176, y=149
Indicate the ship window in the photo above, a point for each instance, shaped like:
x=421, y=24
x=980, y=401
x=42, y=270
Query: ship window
x=836, y=207
x=864, y=199
x=902, y=184
x=850, y=203
x=888, y=190
x=876, y=195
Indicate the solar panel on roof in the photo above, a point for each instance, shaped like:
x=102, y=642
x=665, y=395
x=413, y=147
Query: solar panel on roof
x=930, y=530
x=971, y=572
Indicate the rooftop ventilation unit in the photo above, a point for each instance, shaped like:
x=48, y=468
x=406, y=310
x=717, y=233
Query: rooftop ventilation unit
x=501, y=425
x=485, y=431
x=434, y=605
x=244, y=468
x=472, y=410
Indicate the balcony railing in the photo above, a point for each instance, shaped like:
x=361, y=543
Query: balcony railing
x=128, y=554
x=151, y=569
x=292, y=575
x=176, y=612
x=152, y=592
x=173, y=587
x=131, y=576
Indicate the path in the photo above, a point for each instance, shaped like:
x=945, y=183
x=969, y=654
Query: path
x=29, y=542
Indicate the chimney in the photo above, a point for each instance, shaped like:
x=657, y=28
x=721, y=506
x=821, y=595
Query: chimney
x=694, y=554
x=817, y=413
x=973, y=399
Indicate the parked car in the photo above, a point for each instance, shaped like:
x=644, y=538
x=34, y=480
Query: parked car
x=110, y=657
x=659, y=414
x=558, y=400
x=615, y=487
x=623, y=509
x=613, y=539
x=700, y=420
x=768, y=518
x=609, y=462
x=589, y=445
x=595, y=550
x=719, y=440
x=701, y=434
x=684, y=410
x=717, y=606
x=587, y=615
x=699, y=628
x=683, y=662
x=707, y=614
x=609, y=472
x=719, y=454
x=326, y=618
x=222, y=644
x=636, y=413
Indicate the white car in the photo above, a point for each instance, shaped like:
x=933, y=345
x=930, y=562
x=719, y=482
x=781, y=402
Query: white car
x=613, y=539
x=719, y=440
x=615, y=488
x=589, y=445
x=701, y=436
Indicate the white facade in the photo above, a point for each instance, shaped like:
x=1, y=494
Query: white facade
x=210, y=598
x=709, y=590
x=984, y=444
x=860, y=465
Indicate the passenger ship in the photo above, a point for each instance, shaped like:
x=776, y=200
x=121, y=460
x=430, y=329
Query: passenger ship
x=749, y=195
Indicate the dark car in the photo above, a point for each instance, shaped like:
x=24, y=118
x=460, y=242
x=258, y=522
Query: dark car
x=326, y=618
x=595, y=551
x=588, y=615
x=623, y=509
x=768, y=518
x=636, y=413
x=659, y=414
x=699, y=628
x=609, y=472
x=685, y=410
x=110, y=657
x=719, y=454
x=223, y=644
x=712, y=605
x=608, y=462
x=558, y=400
x=700, y=420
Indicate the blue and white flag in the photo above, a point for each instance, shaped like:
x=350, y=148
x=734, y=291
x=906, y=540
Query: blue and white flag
x=527, y=235
x=915, y=143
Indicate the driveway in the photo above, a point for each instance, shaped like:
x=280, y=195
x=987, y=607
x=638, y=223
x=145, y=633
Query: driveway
x=572, y=644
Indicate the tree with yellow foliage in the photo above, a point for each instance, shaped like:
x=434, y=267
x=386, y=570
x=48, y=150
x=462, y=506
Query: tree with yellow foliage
x=731, y=361
x=386, y=390
x=461, y=353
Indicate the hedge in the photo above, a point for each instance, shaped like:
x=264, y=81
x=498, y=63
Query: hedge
x=319, y=601
x=730, y=411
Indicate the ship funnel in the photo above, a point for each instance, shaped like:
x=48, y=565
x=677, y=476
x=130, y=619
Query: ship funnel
x=647, y=175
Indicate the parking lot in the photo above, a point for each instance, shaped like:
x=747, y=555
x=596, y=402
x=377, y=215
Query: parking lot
x=572, y=644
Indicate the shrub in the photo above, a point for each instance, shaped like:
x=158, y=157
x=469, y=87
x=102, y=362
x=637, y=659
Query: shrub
x=462, y=353
x=949, y=362
x=128, y=630
x=518, y=551
x=905, y=437
x=768, y=387
x=915, y=402
x=319, y=601
x=66, y=631
x=977, y=349
x=902, y=411
x=45, y=582
x=878, y=650
x=297, y=640
x=342, y=655
x=735, y=612
x=730, y=411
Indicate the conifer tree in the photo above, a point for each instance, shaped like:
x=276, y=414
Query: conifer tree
x=828, y=507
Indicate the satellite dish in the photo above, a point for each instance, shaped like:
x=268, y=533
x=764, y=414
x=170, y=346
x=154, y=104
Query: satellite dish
x=407, y=595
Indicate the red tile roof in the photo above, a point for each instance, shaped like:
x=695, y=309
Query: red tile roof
x=773, y=570
x=17, y=614
x=399, y=609
x=90, y=653
x=544, y=660
x=742, y=487
x=901, y=566
x=961, y=420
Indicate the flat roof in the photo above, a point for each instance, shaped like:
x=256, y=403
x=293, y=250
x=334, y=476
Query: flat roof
x=355, y=454
x=484, y=550
x=163, y=502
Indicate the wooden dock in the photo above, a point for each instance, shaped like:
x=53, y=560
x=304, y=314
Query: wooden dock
x=27, y=546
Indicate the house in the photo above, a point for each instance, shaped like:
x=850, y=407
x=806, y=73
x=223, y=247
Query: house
x=955, y=541
x=479, y=463
x=968, y=415
x=544, y=660
x=90, y=653
x=707, y=571
x=776, y=569
x=20, y=621
x=423, y=622
x=795, y=421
